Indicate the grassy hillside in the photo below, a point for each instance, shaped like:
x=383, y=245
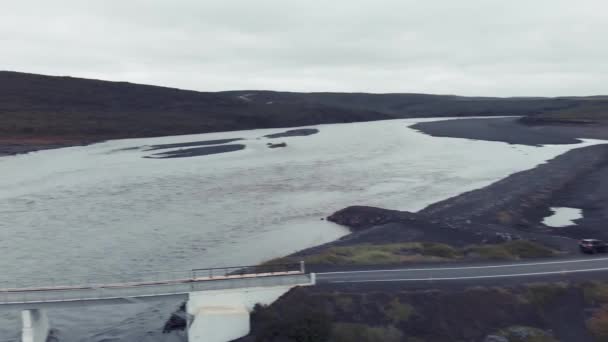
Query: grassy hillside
x=589, y=111
x=537, y=312
x=65, y=107
x=420, y=105
x=35, y=105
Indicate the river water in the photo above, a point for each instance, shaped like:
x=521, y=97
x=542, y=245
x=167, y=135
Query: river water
x=81, y=211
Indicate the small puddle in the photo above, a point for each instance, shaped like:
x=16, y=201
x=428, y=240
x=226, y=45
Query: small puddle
x=563, y=217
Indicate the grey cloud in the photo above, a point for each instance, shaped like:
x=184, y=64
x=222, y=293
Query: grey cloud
x=469, y=47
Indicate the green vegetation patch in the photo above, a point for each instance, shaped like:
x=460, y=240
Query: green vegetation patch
x=395, y=253
x=589, y=112
x=544, y=294
x=399, y=312
x=512, y=250
x=384, y=254
x=598, y=324
x=349, y=332
x=344, y=302
x=595, y=292
x=527, y=249
x=307, y=322
x=526, y=334
x=440, y=250
x=492, y=252
x=504, y=217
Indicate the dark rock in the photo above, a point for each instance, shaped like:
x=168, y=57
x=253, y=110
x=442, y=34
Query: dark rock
x=277, y=145
x=197, y=151
x=361, y=217
x=177, y=321
x=495, y=338
x=193, y=143
x=523, y=333
x=294, y=133
x=507, y=130
x=500, y=237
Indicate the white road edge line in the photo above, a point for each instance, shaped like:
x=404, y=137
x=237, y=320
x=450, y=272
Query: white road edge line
x=468, y=267
x=471, y=277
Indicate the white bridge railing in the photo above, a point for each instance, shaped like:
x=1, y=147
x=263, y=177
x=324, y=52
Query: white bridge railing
x=154, y=284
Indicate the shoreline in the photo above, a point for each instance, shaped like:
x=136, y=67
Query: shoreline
x=514, y=131
x=525, y=199
x=511, y=207
x=440, y=225
x=12, y=146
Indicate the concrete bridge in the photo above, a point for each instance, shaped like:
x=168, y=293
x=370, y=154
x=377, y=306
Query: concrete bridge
x=216, y=297
x=219, y=299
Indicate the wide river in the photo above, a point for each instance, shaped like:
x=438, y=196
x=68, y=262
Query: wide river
x=104, y=209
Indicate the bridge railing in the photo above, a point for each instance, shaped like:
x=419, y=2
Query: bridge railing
x=248, y=270
x=93, y=280
x=149, y=283
x=121, y=292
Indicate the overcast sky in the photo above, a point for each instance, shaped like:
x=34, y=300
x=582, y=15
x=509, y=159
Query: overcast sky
x=467, y=47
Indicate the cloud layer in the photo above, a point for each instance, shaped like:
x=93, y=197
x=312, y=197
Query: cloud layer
x=468, y=47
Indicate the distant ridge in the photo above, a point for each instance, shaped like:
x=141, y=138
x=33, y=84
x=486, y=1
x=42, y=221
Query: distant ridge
x=50, y=106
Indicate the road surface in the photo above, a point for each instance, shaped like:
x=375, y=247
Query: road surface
x=589, y=268
x=522, y=271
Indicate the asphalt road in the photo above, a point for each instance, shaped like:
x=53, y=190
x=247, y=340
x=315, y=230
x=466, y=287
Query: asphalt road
x=587, y=268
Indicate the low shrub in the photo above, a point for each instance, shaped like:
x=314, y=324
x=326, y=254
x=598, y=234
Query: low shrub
x=543, y=294
x=527, y=249
x=349, y=332
x=511, y=250
x=399, y=312
x=395, y=253
x=595, y=292
x=492, y=252
x=598, y=324
x=440, y=250
x=344, y=302
x=365, y=254
x=298, y=324
x=504, y=217
x=526, y=334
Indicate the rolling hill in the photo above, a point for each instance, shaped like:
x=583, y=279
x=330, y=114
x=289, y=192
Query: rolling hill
x=66, y=108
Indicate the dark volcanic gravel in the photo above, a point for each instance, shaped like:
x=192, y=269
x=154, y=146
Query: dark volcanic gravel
x=193, y=143
x=590, y=193
x=293, y=133
x=523, y=198
x=279, y=145
x=14, y=149
x=512, y=131
x=198, y=151
x=512, y=207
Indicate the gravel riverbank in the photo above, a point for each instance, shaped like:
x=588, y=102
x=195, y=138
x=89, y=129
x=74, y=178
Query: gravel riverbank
x=513, y=207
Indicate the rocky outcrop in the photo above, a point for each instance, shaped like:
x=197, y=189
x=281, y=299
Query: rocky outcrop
x=192, y=144
x=510, y=209
x=445, y=314
x=197, y=151
x=362, y=217
x=270, y=145
x=522, y=198
x=522, y=333
x=293, y=133
x=177, y=321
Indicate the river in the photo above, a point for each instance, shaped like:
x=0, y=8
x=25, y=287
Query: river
x=104, y=209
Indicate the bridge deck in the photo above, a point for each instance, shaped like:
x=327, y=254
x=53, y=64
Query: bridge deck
x=146, y=287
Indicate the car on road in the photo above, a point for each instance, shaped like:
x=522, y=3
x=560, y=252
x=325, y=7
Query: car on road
x=592, y=246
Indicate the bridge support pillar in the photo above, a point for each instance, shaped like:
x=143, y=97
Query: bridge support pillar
x=36, y=326
x=223, y=315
